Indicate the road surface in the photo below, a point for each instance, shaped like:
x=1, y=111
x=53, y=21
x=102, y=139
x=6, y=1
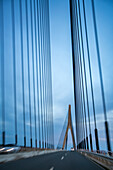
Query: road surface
x=64, y=160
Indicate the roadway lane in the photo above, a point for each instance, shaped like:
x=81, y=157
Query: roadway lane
x=64, y=160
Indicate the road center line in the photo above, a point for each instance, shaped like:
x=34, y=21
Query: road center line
x=51, y=168
x=62, y=158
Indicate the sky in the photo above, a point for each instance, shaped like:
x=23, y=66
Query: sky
x=62, y=74
x=61, y=63
x=61, y=68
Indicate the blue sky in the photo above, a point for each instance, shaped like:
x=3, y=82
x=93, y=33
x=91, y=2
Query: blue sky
x=62, y=75
x=62, y=62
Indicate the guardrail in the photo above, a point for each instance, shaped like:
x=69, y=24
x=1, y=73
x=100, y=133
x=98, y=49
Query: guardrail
x=105, y=161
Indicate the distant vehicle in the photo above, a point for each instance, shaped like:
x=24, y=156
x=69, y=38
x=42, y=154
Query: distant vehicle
x=72, y=149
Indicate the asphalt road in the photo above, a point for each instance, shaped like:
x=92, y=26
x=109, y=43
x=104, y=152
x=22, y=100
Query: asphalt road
x=64, y=160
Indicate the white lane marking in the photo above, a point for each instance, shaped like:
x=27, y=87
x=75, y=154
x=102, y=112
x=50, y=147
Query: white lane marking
x=51, y=168
x=62, y=158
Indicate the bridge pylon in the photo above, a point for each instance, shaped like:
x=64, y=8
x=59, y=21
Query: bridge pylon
x=69, y=126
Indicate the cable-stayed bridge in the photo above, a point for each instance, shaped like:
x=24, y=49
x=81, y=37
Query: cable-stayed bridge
x=64, y=134
x=26, y=100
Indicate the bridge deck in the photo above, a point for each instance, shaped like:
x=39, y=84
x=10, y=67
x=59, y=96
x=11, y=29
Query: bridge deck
x=60, y=160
